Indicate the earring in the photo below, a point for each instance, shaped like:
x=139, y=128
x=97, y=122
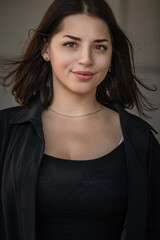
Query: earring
x=110, y=68
x=46, y=58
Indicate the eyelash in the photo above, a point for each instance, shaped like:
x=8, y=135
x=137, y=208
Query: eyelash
x=73, y=43
x=68, y=43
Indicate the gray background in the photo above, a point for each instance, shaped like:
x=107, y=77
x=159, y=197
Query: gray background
x=138, y=18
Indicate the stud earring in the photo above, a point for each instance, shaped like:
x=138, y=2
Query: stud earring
x=46, y=58
x=110, y=68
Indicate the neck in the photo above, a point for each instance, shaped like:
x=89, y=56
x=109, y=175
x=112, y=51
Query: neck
x=75, y=105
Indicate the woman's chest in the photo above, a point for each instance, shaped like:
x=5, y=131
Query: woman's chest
x=80, y=141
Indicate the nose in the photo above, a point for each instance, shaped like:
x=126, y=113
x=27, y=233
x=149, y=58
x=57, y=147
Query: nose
x=85, y=56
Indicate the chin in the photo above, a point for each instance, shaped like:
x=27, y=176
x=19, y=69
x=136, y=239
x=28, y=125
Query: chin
x=82, y=91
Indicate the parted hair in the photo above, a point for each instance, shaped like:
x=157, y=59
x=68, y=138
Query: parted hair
x=30, y=74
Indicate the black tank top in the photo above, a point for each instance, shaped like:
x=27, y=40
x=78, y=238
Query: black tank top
x=82, y=199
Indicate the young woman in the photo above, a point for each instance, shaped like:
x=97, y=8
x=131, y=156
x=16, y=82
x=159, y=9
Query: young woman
x=74, y=164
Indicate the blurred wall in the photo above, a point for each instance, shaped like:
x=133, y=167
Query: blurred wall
x=139, y=19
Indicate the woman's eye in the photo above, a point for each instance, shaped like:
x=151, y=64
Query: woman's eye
x=71, y=45
x=100, y=47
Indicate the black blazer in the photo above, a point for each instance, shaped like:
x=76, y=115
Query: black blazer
x=21, y=152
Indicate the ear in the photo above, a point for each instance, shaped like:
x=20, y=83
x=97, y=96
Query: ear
x=45, y=50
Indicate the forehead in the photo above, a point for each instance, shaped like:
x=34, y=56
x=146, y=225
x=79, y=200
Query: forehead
x=84, y=25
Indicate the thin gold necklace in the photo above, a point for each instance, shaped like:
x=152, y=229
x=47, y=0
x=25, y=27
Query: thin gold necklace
x=79, y=116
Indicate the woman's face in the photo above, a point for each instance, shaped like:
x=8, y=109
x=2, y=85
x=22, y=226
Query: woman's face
x=80, y=54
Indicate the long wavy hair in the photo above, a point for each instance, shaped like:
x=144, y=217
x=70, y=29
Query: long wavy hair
x=32, y=75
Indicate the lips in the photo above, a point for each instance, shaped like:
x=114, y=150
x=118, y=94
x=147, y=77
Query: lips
x=83, y=74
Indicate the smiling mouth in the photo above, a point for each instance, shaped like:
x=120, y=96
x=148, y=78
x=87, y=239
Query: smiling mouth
x=84, y=75
x=84, y=72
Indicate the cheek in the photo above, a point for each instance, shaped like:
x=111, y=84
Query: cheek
x=103, y=65
x=61, y=61
x=103, y=61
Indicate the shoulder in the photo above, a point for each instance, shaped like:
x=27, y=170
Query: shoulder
x=116, y=111
x=131, y=120
x=7, y=114
x=127, y=121
x=134, y=127
x=5, y=117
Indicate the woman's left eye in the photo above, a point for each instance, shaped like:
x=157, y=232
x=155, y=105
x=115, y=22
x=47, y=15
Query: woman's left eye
x=100, y=47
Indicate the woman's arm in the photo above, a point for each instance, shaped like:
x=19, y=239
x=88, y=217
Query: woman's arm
x=2, y=123
x=153, y=220
x=123, y=235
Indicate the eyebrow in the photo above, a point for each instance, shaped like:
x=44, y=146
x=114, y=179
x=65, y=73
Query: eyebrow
x=78, y=39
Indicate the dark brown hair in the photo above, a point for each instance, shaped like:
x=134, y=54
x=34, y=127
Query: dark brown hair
x=32, y=75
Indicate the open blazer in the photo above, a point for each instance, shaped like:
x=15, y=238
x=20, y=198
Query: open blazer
x=21, y=152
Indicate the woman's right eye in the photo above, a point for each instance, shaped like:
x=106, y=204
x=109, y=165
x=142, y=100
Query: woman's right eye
x=70, y=45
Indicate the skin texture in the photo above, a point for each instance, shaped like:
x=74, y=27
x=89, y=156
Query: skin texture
x=96, y=134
